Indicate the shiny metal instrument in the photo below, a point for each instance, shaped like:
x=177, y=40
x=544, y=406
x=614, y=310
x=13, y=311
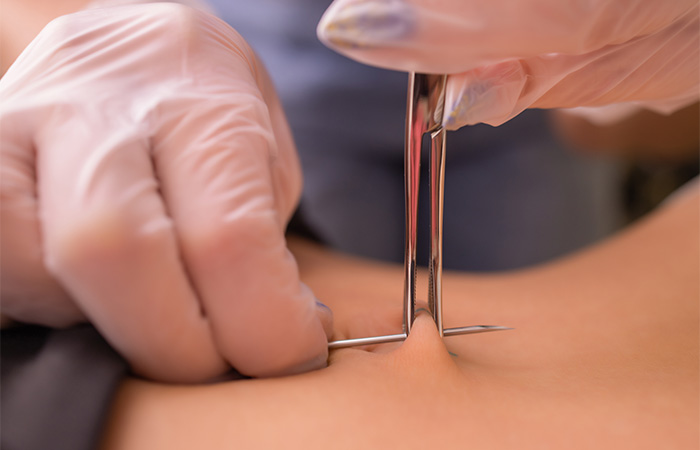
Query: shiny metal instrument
x=424, y=113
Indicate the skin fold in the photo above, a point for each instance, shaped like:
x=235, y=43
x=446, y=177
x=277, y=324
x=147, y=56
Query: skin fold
x=604, y=351
x=604, y=354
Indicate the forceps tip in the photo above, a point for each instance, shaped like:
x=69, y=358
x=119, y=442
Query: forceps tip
x=474, y=329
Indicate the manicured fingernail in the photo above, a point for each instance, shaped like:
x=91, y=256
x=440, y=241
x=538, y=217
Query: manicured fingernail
x=488, y=94
x=365, y=23
x=459, y=112
x=326, y=315
x=322, y=305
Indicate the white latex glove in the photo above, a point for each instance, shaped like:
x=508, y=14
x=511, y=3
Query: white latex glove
x=508, y=55
x=148, y=174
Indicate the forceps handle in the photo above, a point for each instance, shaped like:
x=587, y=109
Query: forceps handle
x=424, y=112
x=412, y=151
x=437, y=197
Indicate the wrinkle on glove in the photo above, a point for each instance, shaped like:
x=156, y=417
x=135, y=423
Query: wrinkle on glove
x=503, y=57
x=149, y=172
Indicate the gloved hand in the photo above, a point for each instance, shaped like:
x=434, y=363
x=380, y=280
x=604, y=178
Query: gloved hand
x=148, y=174
x=506, y=56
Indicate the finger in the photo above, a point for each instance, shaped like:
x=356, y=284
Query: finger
x=242, y=180
x=325, y=315
x=658, y=71
x=29, y=294
x=232, y=238
x=286, y=173
x=456, y=36
x=111, y=243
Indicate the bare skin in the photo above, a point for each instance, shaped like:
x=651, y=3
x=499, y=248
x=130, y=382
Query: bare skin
x=604, y=355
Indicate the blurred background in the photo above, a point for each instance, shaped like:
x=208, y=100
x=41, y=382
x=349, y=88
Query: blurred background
x=535, y=188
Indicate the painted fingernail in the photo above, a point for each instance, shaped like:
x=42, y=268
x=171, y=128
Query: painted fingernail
x=326, y=319
x=459, y=114
x=488, y=94
x=365, y=23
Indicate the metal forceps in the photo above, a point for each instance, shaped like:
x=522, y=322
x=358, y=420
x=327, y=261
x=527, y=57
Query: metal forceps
x=424, y=114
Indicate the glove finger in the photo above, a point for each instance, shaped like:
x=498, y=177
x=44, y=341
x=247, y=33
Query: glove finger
x=232, y=238
x=29, y=293
x=658, y=71
x=456, y=36
x=286, y=169
x=230, y=179
x=110, y=241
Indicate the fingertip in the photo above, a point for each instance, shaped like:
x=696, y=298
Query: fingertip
x=317, y=361
x=282, y=338
x=325, y=314
x=320, y=361
x=488, y=94
x=365, y=24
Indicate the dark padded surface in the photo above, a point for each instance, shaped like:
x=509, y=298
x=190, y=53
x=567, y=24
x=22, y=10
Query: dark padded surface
x=56, y=387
